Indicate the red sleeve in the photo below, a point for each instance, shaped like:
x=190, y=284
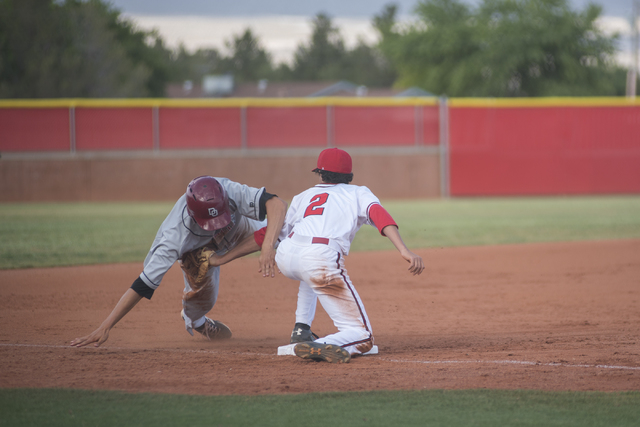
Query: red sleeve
x=380, y=217
x=258, y=236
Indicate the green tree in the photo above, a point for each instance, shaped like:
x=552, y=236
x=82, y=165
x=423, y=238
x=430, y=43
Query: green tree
x=436, y=52
x=31, y=47
x=503, y=48
x=95, y=64
x=544, y=48
x=324, y=57
x=248, y=60
x=366, y=65
x=75, y=48
x=143, y=48
x=194, y=66
x=386, y=20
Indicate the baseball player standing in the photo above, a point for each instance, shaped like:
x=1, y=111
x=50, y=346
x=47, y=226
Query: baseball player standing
x=319, y=227
x=215, y=214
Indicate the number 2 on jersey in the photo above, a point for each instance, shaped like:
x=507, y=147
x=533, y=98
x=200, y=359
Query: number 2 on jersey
x=314, y=207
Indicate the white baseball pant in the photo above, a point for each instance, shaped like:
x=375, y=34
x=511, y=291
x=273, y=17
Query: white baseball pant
x=322, y=275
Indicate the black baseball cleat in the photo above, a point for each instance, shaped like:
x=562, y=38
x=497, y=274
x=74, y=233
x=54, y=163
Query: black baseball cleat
x=302, y=333
x=322, y=352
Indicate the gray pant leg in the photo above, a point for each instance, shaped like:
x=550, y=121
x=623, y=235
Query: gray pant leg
x=197, y=305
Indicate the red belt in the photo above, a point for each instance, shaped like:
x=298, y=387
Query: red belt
x=316, y=240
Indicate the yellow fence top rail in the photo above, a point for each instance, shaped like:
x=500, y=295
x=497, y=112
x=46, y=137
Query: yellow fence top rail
x=543, y=102
x=218, y=102
x=321, y=102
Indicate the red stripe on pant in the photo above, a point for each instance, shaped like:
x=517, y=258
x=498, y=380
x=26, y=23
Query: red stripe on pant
x=364, y=319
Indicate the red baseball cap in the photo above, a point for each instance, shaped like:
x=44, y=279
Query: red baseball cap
x=334, y=160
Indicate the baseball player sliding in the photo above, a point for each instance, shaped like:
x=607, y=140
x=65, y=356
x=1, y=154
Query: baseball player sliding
x=213, y=217
x=319, y=227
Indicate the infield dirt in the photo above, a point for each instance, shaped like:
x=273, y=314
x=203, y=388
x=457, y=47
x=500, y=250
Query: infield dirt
x=560, y=316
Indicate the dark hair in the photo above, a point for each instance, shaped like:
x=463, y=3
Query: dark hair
x=334, y=177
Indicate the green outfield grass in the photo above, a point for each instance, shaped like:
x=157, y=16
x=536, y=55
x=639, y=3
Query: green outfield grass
x=57, y=234
x=488, y=221
x=491, y=408
x=54, y=234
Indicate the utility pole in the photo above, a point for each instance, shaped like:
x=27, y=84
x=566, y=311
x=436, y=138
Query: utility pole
x=632, y=75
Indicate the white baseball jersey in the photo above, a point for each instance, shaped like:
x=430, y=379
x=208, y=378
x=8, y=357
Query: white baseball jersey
x=179, y=233
x=333, y=211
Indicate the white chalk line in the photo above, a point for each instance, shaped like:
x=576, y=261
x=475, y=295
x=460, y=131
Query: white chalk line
x=512, y=362
x=425, y=362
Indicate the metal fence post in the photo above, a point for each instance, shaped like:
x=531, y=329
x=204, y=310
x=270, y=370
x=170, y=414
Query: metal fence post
x=445, y=166
x=155, y=132
x=418, y=124
x=72, y=129
x=243, y=128
x=330, y=135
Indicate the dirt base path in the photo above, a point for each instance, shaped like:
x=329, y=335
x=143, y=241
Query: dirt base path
x=562, y=316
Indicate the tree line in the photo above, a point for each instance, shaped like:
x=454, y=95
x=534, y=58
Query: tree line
x=500, y=48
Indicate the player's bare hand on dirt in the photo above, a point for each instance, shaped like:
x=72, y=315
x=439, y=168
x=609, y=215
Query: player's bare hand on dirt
x=267, y=262
x=98, y=337
x=416, y=263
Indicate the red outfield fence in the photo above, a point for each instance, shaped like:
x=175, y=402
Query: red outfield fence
x=540, y=146
x=544, y=146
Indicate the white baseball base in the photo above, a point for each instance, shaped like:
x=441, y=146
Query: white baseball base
x=287, y=350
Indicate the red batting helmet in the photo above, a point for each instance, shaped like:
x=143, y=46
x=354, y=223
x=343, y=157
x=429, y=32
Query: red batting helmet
x=208, y=203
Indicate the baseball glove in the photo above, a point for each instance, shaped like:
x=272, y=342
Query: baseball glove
x=195, y=265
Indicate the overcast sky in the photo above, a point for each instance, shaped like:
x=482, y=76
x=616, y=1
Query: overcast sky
x=281, y=25
x=345, y=8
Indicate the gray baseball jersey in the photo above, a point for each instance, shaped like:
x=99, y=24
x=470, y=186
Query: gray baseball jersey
x=179, y=233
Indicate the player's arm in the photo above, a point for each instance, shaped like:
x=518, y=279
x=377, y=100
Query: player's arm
x=276, y=210
x=264, y=239
x=100, y=335
x=247, y=246
x=388, y=227
x=416, y=265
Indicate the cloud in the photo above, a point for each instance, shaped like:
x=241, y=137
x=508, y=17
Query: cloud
x=614, y=24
